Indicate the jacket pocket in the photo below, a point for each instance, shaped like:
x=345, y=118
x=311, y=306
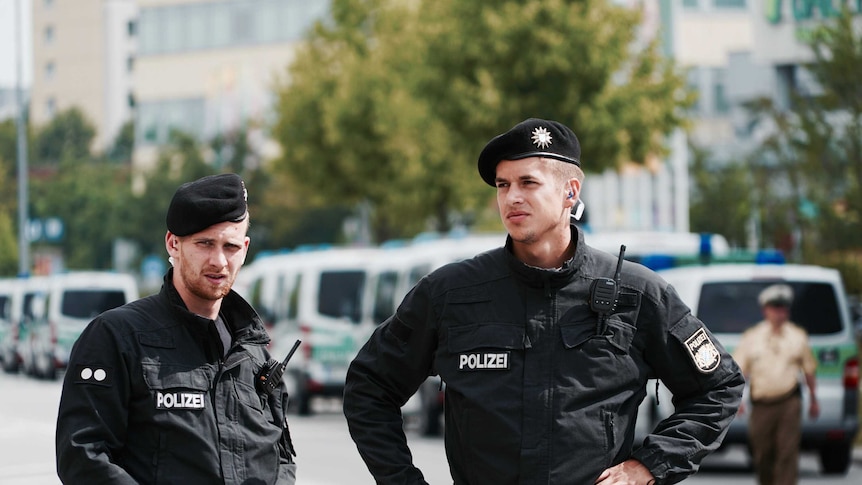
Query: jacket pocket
x=161, y=376
x=618, y=334
x=486, y=336
x=472, y=305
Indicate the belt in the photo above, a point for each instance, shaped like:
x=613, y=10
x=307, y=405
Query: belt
x=795, y=392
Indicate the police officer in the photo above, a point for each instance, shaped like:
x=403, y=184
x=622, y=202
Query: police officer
x=543, y=382
x=773, y=354
x=162, y=390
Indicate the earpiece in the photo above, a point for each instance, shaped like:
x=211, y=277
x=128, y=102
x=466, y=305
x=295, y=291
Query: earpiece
x=571, y=194
x=578, y=210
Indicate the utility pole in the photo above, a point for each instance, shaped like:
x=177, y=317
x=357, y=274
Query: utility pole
x=23, y=198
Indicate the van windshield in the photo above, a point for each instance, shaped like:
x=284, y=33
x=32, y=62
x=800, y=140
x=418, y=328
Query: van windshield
x=341, y=294
x=90, y=303
x=731, y=307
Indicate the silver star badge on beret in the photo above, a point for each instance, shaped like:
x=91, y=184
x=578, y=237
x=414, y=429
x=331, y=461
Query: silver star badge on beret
x=541, y=137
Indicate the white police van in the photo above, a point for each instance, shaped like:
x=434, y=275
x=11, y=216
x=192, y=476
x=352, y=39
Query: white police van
x=724, y=297
x=11, y=302
x=333, y=298
x=57, y=308
x=318, y=297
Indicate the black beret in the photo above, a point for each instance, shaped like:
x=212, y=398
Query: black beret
x=207, y=201
x=530, y=138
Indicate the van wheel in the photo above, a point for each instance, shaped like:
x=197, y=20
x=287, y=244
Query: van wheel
x=10, y=364
x=44, y=367
x=835, y=459
x=303, y=404
x=300, y=400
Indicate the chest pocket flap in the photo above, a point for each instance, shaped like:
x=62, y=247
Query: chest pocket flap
x=161, y=376
x=486, y=335
x=618, y=333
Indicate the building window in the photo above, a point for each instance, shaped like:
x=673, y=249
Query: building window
x=132, y=28
x=729, y=3
x=50, y=70
x=243, y=27
x=49, y=34
x=48, y=3
x=693, y=82
x=130, y=98
x=719, y=91
x=50, y=107
x=130, y=63
x=690, y=3
x=207, y=25
x=154, y=120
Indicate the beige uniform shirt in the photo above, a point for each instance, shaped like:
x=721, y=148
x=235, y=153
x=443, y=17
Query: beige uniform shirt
x=772, y=361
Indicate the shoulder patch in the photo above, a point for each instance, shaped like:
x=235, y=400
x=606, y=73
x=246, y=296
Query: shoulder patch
x=94, y=374
x=702, y=351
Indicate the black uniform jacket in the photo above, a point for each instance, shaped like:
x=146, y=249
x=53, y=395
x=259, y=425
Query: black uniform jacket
x=537, y=391
x=148, y=398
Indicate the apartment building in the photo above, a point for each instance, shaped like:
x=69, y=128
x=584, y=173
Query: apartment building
x=701, y=35
x=83, y=55
x=208, y=67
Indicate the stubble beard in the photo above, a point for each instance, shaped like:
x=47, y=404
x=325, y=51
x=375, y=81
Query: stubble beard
x=199, y=286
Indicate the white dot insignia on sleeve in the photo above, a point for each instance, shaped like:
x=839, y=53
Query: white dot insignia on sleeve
x=89, y=374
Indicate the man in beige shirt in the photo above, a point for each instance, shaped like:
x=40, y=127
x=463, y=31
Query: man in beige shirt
x=771, y=355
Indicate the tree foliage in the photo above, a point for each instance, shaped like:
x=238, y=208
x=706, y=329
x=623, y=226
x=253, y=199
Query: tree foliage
x=720, y=190
x=811, y=163
x=390, y=102
x=89, y=197
x=69, y=134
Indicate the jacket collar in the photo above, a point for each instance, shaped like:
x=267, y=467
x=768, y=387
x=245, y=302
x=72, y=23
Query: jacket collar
x=246, y=325
x=540, y=277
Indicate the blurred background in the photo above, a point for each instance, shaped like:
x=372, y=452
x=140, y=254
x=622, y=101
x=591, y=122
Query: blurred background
x=359, y=121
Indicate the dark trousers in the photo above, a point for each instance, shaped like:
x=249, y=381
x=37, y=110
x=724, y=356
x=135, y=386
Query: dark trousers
x=774, y=432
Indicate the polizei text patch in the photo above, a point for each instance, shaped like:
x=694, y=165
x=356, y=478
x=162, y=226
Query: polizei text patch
x=483, y=361
x=179, y=400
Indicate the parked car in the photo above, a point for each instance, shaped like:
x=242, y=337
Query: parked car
x=724, y=296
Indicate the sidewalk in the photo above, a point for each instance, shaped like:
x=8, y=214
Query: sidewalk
x=857, y=454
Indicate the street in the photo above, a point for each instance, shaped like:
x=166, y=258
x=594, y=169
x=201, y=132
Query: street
x=326, y=455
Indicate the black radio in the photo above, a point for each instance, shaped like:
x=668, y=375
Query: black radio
x=605, y=292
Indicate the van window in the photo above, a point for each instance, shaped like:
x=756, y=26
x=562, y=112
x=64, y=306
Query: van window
x=384, y=296
x=255, y=299
x=340, y=294
x=731, y=307
x=90, y=303
x=293, y=298
x=416, y=274
x=5, y=310
x=35, y=307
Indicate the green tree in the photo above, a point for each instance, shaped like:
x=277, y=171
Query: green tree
x=811, y=164
x=9, y=166
x=123, y=144
x=390, y=102
x=68, y=135
x=87, y=196
x=8, y=230
x=723, y=189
